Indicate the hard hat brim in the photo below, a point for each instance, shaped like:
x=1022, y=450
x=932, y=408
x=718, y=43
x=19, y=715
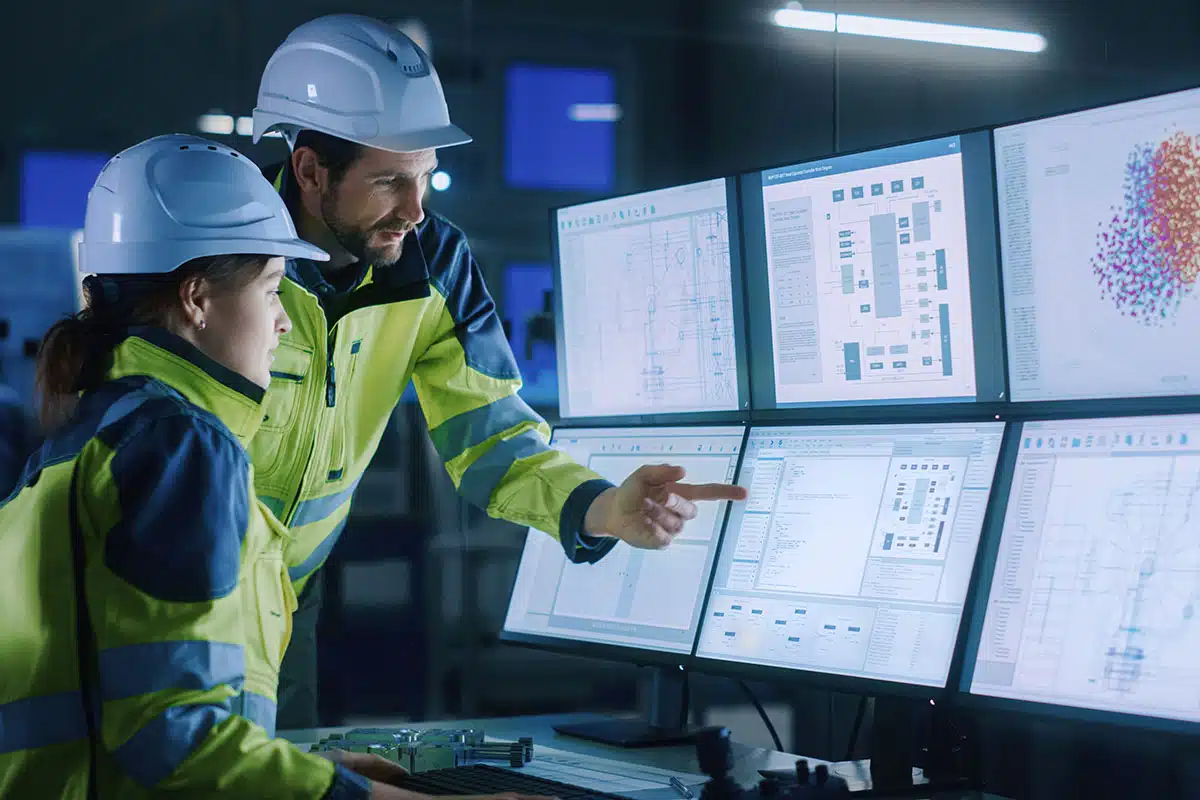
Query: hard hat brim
x=409, y=142
x=448, y=136
x=147, y=258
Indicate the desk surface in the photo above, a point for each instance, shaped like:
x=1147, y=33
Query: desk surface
x=747, y=760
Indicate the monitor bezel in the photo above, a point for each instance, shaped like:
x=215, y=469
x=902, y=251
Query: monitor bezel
x=612, y=651
x=857, y=684
x=738, y=306
x=1090, y=406
x=906, y=410
x=974, y=616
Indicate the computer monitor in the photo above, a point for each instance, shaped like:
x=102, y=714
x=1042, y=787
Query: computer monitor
x=1093, y=588
x=529, y=317
x=872, y=277
x=633, y=605
x=1101, y=250
x=850, y=563
x=646, y=600
x=650, y=304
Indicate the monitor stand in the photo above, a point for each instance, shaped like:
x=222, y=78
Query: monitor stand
x=660, y=728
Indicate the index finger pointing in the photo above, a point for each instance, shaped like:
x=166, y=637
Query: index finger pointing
x=710, y=491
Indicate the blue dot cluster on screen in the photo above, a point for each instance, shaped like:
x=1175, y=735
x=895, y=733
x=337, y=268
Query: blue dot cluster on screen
x=545, y=147
x=55, y=185
x=526, y=288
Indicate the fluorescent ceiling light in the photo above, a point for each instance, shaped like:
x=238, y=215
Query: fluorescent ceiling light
x=962, y=35
x=245, y=126
x=220, y=124
x=594, y=112
x=795, y=16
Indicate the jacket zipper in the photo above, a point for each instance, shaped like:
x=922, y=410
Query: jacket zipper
x=330, y=377
x=330, y=401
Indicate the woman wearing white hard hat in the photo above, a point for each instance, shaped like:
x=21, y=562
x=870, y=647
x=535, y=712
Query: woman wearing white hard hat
x=147, y=602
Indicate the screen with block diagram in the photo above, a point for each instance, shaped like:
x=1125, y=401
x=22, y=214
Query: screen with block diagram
x=647, y=599
x=873, y=277
x=854, y=551
x=651, y=308
x=1100, y=238
x=1093, y=592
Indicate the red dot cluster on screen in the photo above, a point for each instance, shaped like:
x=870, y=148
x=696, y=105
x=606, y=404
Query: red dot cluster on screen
x=1148, y=255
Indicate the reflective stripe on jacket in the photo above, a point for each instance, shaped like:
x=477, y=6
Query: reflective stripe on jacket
x=340, y=371
x=140, y=511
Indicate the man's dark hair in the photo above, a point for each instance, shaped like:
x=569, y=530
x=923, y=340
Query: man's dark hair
x=336, y=155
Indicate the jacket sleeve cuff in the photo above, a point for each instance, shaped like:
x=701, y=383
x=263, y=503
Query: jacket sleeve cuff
x=348, y=785
x=580, y=547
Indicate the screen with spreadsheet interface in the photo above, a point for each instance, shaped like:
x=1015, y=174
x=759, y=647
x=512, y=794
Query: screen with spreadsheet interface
x=854, y=552
x=1095, y=586
x=651, y=308
x=872, y=277
x=648, y=599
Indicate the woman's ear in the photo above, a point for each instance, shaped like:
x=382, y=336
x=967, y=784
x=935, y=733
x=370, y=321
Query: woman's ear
x=195, y=300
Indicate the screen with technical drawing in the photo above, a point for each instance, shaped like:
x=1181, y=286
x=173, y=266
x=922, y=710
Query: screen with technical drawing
x=873, y=277
x=854, y=551
x=648, y=599
x=650, y=304
x=1096, y=584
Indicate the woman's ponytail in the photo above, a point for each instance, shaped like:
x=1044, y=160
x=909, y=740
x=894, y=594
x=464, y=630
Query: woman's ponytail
x=75, y=353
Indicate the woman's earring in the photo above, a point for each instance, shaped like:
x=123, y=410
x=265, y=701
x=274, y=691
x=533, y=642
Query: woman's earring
x=202, y=325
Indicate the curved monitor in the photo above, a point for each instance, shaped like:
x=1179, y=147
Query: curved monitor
x=852, y=559
x=1093, y=592
x=872, y=278
x=650, y=305
x=636, y=600
x=1101, y=250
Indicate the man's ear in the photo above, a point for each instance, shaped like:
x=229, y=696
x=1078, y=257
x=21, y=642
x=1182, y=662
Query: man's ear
x=306, y=168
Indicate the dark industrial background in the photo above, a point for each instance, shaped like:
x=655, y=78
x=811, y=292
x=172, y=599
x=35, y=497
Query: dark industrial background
x=417, y=589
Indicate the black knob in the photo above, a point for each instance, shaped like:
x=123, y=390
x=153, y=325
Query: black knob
x=802, y=771
x=714, y=751
x=822, y=774
x=768, y=787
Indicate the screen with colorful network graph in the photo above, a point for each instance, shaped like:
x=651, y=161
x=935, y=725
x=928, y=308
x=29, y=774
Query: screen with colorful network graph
x=1100, y=236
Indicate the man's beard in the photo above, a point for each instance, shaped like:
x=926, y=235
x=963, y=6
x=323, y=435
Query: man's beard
x=356, y=241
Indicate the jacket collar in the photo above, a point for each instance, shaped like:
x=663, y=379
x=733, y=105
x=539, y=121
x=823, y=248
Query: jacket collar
x=165, y=357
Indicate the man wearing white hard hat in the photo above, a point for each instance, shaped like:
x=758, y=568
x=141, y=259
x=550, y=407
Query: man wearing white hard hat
x=401, y=299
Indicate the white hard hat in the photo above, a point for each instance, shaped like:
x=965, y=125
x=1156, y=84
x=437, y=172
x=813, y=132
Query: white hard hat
x=174, y=198
x=358, y=79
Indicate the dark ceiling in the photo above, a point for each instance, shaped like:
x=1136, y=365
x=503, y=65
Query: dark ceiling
x=713, y=87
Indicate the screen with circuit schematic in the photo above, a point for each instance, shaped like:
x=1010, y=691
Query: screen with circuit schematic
x=872, y=277
x=1096, y=581
x=647, y=599
x=651, y=307
x=855, y=550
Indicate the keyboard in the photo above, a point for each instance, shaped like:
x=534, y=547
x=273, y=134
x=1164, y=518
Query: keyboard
x=486, y=779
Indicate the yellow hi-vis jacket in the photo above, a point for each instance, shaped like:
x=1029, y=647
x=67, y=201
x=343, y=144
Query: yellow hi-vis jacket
x=146, y=605
x=341, y=370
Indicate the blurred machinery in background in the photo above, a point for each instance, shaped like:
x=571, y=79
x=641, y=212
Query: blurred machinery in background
x=39, y=284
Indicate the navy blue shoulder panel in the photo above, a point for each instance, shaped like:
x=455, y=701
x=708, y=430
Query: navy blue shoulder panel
x=182, y=481
x=110, y=407
x=183, y=486
x=456, y=274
